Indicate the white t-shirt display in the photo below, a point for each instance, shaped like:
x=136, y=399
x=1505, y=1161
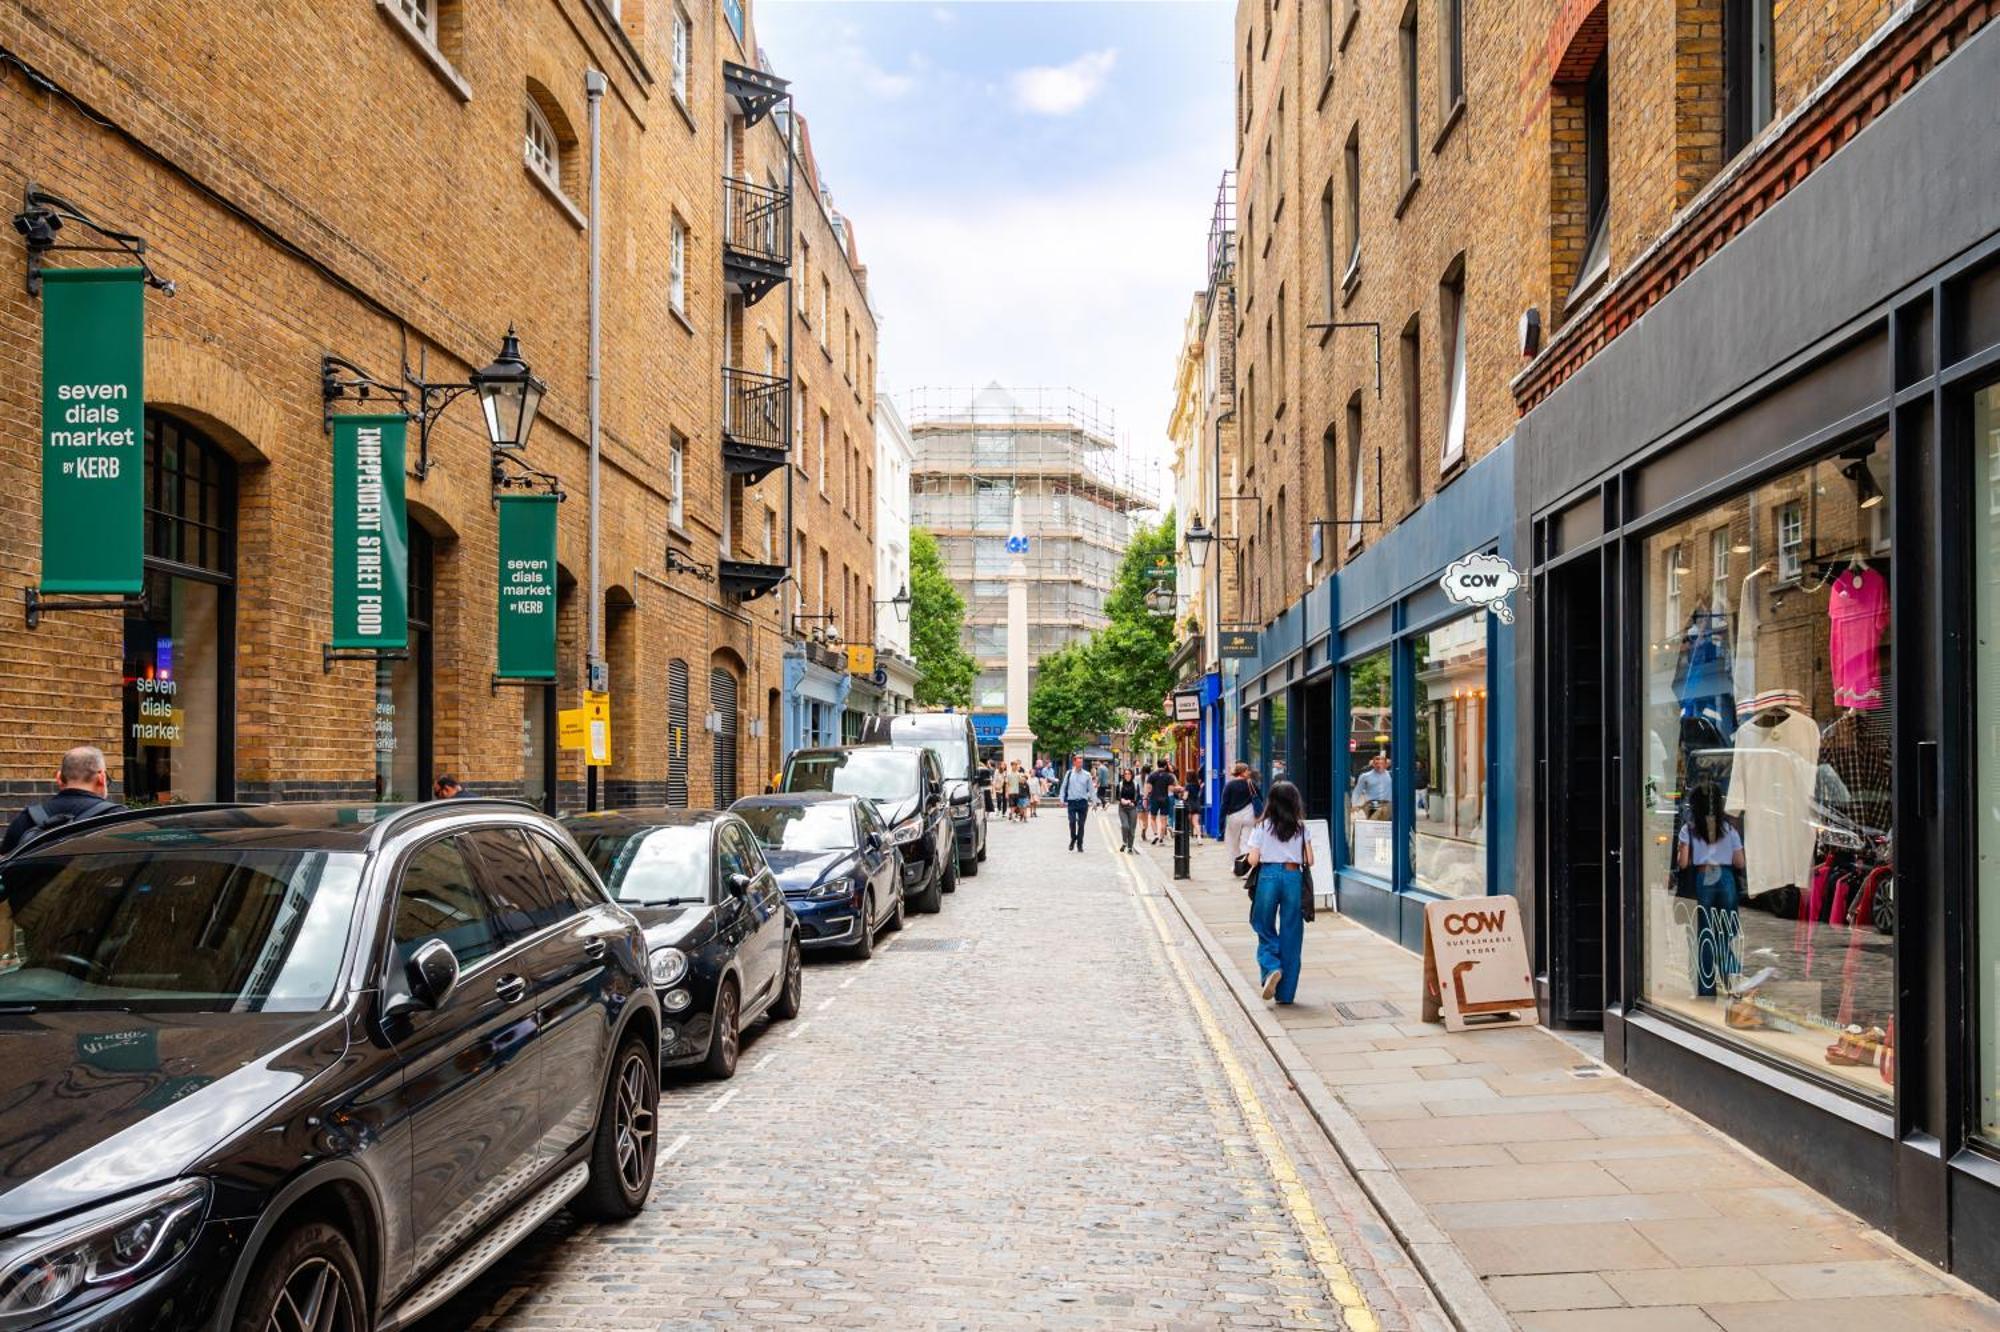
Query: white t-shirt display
x=1771, y=786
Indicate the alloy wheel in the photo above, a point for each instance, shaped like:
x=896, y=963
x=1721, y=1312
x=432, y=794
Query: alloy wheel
x=315, y=1298
x=635, y=1121
x=795, y=979
x=726, y=1015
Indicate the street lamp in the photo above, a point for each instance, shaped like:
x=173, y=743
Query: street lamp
x=900, y=603
x=509, y=398
x=1160, y=600
x=509, y=395
x=1199, y=539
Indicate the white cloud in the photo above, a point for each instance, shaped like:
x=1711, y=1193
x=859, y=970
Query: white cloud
x=1061, y=90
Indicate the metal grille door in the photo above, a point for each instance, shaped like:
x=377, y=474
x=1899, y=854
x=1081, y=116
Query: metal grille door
x=722, y=697
x=677, y=733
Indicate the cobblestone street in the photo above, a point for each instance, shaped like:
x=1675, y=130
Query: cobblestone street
x=1014, y=1116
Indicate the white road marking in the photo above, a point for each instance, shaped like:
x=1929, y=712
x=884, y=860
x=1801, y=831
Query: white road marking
x=849, y=981
x=724, y=1099
x=798, y=1028
x=764, y=1063
x=673, y=1147
x=824, y=1004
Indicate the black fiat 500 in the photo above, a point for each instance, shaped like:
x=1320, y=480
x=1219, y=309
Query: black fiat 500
x=722, y=943
x=307, y=1065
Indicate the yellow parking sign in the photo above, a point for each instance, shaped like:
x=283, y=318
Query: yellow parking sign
x=597, y=729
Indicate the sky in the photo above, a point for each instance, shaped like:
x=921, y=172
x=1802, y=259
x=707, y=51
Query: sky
x=1030, y=183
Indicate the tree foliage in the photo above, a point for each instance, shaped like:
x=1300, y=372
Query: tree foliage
x=1069, y=708
x=937, y=624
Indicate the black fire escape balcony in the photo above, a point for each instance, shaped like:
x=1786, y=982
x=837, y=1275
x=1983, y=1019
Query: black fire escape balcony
x=752, y=91
x=756, y=237
x=756, y=423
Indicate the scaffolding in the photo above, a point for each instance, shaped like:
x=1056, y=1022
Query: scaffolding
x=1056, y=452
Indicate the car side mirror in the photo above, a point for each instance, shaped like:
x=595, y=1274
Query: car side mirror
x=738, y=885
x=432, y=974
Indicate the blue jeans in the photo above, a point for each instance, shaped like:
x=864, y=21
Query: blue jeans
x=1079, y=810
x=1712, y=932
x=1279, y=919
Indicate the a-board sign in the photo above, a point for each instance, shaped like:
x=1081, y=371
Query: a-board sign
x=1319, y=833
x=1476, y=972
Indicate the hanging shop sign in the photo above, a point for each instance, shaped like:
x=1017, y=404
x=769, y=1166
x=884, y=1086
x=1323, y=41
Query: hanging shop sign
x=860, y=660
x=527, y=587
x=1187, y=706
x=371, y=534
x=1476, y=965
x=93, y=430
x=1236, y=642
x=1482, y=580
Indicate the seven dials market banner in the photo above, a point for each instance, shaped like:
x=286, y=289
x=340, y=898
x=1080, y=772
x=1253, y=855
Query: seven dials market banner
x=93, y=436
x=371, y=533
x=527, y=587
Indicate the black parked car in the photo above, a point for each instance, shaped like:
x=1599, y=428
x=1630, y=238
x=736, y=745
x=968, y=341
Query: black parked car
x=908, y=792
x=722, y=942
x=320, y=1058
x=832, y=856
x=951, y=740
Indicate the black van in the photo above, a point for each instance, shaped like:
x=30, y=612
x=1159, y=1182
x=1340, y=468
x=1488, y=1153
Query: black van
x=949, y=736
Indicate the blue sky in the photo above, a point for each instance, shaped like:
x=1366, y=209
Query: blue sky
x=1030, y=183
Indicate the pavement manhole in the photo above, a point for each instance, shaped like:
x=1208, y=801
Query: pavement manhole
x=933, y=945
x=1368, y=1010
x=1585, y=1071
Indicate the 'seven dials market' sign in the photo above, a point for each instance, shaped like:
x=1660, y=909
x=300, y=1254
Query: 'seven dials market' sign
x=371, y=533
x=93, y=430
x=528, y=587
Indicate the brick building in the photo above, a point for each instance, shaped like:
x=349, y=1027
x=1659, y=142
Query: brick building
x=1685, y=312
x=395, y=185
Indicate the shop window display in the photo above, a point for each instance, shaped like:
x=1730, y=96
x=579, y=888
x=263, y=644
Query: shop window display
x=1986, y=755
x=1769, y=881
x=403, y=692
x=1370, y=786
x=1448, y=772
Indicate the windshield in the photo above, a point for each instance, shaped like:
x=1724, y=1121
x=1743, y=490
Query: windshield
x=954, y=756
x=879, y=774
x=828, y=827
x=203, y=930
x=656, y=865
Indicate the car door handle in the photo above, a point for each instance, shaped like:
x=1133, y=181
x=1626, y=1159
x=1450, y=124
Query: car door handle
x=594, y=949
x=511, y=989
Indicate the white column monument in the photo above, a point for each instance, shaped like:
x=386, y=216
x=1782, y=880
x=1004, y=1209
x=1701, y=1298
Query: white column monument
x=1017, y=742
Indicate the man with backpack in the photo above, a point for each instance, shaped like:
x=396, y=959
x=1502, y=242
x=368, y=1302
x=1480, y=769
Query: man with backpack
x=82, y=780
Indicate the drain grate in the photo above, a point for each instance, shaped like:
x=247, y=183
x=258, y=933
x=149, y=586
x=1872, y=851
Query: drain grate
x=932, y=945
x=1369, y=1010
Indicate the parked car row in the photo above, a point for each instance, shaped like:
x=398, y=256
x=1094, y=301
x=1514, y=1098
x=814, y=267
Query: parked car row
x=318, y=1066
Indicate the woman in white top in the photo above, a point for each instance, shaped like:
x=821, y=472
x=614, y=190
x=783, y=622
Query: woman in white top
x=1709, y=857
x=1279, y=849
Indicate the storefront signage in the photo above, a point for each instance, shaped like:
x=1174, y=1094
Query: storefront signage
x=1187, y=706
x=527, y=587
x=1482, y=580
x=1236, y=642
x=1476, y=965
x=93, y=430
x=860, y=660
x=572, y=729
x=371, y=534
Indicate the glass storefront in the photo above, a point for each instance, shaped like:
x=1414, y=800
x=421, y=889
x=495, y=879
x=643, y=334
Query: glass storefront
x=1369, y=790
x=403, y=692
x=1448, y=770
x=1280, y=768
x=537, y=747
x=1768, y=885
x=1986, y=752
x=179, y=648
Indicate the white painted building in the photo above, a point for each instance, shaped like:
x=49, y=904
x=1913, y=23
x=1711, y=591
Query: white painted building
x=894, y=455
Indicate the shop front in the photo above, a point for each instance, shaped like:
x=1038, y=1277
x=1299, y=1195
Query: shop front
x=816, y=690
x=1766, y=547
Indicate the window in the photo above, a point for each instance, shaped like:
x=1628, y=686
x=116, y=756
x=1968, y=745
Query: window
x=524, y=901
x=1596, y=183
x=1357, y=477
x=1791, y=541
x=422, y=17
x=732, y=490
x=538, y=748
x=1351, y=166
x=1718, y=570
x=564, y=873
x=822, y=450
x=1984, y=448
x=677, y=253
x=1407, y=42
x=676, y=479
x=1451, y=338
x=1451, y=53
x=1326, y=21
x=677, y=734
x=541, y=149
x=825, y=300
x=1329, y=262
x=805, y=279
x=1370, y=794
x=681, y=41
x=437, y=899
x=1448, y=771
x=823, y=600
x=1284, y=161
x=1767, y=768
x=1747, y=85
x=1329, y=472
x=1413, y=409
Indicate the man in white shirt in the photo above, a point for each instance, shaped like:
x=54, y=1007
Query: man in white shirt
x=1078, y=790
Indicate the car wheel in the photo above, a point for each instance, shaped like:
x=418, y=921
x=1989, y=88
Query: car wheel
x=622, y=1155
x=725, y=1032
x=969, y=869
x=982, y=848
x=793, y=997
x=931, y=900
x=864, y=943
x=309, y=1282
x=950, y=884
x=894, y=924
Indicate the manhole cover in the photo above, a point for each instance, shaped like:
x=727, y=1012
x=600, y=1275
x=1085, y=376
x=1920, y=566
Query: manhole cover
x=933, y=945
x=1368, y=1010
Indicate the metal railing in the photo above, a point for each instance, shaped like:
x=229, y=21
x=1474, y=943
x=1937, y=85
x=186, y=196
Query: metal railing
x=757, y=221
x=756, y=408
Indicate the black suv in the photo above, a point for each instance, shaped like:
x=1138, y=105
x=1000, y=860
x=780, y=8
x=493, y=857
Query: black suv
x=907, y=788
x=950, y=739
x=322, y=1058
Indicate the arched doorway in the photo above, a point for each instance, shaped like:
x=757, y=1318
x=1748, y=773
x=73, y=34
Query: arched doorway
x=180, y=649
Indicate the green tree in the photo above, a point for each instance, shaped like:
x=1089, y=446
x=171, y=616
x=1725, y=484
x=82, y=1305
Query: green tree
x=1069, y=708
x=937, y=623
x=1134, y=652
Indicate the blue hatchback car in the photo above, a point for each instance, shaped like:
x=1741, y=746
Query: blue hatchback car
x=832, y=856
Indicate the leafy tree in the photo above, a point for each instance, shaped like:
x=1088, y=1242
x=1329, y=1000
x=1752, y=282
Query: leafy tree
x=1135, y=650
x=937, y=624
x=1069, y=707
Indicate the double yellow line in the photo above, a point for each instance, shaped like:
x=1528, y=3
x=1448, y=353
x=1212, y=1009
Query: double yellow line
x=1292, y=1191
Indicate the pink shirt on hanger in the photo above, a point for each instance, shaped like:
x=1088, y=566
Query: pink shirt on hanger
x=1858, y=608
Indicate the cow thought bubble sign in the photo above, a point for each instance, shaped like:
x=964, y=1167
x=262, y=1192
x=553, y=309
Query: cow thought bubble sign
x=1482, y=580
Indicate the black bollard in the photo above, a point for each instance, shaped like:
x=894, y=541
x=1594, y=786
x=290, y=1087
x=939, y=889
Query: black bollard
x=1182, y=869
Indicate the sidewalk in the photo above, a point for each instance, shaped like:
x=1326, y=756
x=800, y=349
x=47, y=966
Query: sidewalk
x=1577, y=1199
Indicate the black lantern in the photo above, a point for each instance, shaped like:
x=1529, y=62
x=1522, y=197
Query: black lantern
x=900, y=603
x=509, y=395
x=1199, y=539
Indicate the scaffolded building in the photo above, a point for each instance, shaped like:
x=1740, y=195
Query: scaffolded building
x=1056, y=451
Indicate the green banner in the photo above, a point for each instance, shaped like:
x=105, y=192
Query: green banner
x=528, y=587
x=371, y=533
x=93, y=430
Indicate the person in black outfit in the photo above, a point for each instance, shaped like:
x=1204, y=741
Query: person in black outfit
x=1159, y=801
x=82, y=782
x=1239, y=798
x=1128, y=807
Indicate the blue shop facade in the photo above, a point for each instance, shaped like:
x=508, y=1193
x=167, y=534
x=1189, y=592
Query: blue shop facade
x=1390, y=705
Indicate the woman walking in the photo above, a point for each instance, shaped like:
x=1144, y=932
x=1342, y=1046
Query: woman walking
x=1128, y=808
x=1239, y=809
x=1280, y=852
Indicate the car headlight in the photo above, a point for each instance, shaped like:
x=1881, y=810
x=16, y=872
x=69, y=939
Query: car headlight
x=87, y=1258
x=834, y=885
x=666, y=965
x=905, y=833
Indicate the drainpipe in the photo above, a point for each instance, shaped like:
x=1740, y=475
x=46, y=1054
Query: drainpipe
x=593, y=87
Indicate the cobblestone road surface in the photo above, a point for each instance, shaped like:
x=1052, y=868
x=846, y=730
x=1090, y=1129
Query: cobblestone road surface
x=1036, y=1109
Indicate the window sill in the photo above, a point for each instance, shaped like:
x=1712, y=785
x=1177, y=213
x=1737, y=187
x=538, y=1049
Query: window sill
x=680, y=316
x=447, y=72
x=1449, y=472
x=680, y=105
x=1347, y=26
x=561, y=200
x=1409, y=193
x=1451, y=119
x=680, y=535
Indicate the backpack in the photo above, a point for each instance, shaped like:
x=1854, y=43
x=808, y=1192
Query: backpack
x=42, y=822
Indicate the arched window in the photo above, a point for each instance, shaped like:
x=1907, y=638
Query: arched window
x=677, y=733
x=722, y=699
x=180, y=650
x=541, y=149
